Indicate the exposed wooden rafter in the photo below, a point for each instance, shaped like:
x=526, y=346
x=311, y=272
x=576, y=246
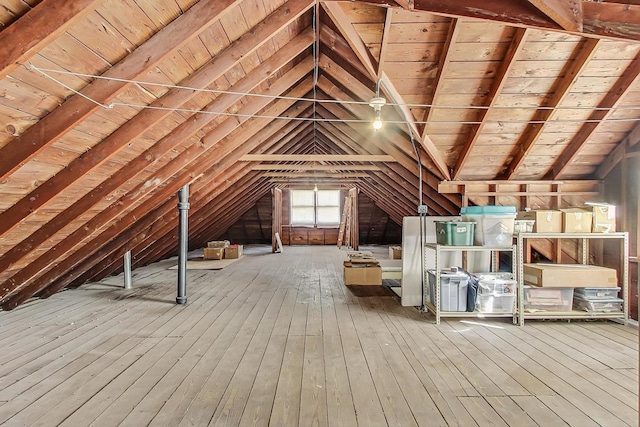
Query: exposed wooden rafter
x=604, y=109
x=443, y=65
x=142, y=60
x=543, y=116
x=498, y=83
x=38, y=27
x=174, y=98
x=566, y=13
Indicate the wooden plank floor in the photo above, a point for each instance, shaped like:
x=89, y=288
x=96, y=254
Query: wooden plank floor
x=277, y=339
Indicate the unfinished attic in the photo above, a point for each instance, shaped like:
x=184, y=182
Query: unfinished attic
x=139, y=136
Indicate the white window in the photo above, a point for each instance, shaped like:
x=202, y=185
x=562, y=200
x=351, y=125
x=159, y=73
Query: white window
x=315, y=208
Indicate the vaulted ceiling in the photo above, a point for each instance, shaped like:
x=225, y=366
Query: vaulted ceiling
x=109, y=107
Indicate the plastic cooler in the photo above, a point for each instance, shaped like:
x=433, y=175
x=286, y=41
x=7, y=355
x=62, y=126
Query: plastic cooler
x=455, y=233
x=494, y=224
x=453, y=290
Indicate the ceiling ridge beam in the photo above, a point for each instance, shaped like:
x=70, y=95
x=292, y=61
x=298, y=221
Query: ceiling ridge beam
x=63, y=119
x=516, y=46
x=137, y=125
x=604, y=109
x=37, y=28
x=561, y=90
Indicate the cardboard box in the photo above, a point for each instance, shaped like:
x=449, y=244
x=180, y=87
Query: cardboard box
x=233, y=252
x=362, y=274
x=395, y=252
x=213, y=253
x=604, y=217
x=546, y=221
x=576, y=220
x=218, y=244
x=569, y=275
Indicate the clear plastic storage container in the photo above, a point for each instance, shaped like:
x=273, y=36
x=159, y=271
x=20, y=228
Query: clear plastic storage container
x=547, y=299
x=597, y=305
x=494, y=224
x=597, y=293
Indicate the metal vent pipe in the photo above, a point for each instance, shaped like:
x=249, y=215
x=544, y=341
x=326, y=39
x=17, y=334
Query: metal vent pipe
x=183, y=243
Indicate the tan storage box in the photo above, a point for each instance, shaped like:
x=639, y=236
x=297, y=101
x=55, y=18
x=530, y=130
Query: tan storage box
x=395, y=252
x=604, y=217
x=569, y=275
x=576, y=220
x=218, y=244
x=233, y=252
x=546, y=221
x=362, y=274
x=213, y=253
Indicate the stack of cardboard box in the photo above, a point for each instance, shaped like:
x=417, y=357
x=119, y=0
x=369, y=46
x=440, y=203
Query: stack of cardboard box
x=362, y=269
x=222, y=249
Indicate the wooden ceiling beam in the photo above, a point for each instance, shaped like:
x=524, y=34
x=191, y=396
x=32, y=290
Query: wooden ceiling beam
x=63, y=119
x=443, y=67
x=37, y=28
x=344, y=25
x=566, y=13
x=338, y=45
x=175, y=98
x=604, y=109
x=304, y=167
x=609, y=19
x=517, y=43
x=30, y=280
x=384, y=41
x=316, y=158
x=543, y=116
x=287, y=176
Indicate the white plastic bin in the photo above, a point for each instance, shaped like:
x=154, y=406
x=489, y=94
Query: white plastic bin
x=494, y=224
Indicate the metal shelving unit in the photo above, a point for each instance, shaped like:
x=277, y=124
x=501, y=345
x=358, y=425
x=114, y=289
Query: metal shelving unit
x=585, y=238
x=435, y=308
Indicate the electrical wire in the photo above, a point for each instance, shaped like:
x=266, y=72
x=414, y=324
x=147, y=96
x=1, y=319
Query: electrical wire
x=45, y=71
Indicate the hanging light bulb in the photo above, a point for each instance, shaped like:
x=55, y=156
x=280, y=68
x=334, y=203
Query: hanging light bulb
x=315, y=188
x=377, y=103
x=377, y=123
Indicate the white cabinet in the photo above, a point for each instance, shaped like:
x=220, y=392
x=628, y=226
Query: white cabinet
x=436, y=257
x=584, y=239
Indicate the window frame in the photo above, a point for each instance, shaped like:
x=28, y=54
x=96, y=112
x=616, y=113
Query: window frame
x=316, y=223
